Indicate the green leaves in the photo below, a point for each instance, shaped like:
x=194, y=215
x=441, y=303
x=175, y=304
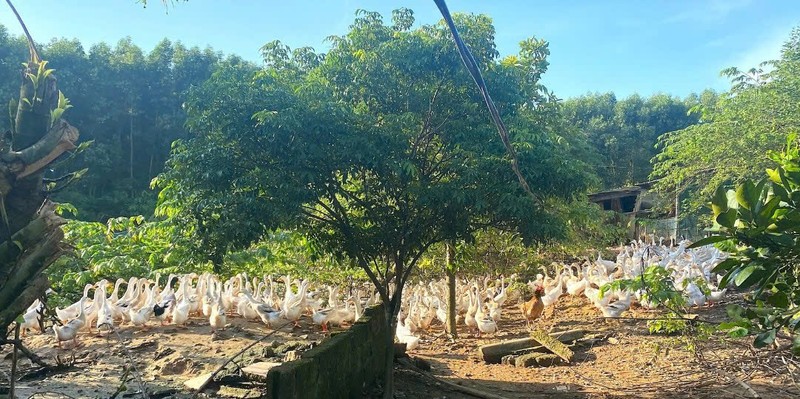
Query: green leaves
x=761, y=221
x=765, y=338
x=708, y=240
x=749, y=276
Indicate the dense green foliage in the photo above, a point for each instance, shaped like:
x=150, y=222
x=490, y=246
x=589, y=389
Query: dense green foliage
x=760, y=224
x=383, y=136
x=736, y=132
x=128, y=103
x=622, y=134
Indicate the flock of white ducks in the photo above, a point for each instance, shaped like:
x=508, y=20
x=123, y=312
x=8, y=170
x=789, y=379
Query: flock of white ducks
x=479, y=301
x=145, y=301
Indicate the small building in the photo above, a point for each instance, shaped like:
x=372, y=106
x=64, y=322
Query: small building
x=642, y=211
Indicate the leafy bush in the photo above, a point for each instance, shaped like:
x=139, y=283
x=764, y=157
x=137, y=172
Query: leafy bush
x=289, y=252
x=656, y=286
x=760, y=223
x=120, y=248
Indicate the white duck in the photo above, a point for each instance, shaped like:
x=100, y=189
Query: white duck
x=485, y=322
x=327, y=316
x=105, y=314
x=501, y=297
x=293, y=307
x=404, y=335
x=72, y=311
x=694, y=295
x=576, y=284
x=217, y=319
x=140, y=316
x=268, y=315
x=609, y=265
x=31, y=317
x=469, y=317
x=180, y=313
x=616, y=308
x=69, y=331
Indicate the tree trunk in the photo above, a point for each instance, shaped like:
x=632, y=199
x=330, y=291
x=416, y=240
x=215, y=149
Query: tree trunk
x=131, y=147
x=450, y=269
x=30, y=231
x=388, y=376
x=392, y=310
x=217, y=259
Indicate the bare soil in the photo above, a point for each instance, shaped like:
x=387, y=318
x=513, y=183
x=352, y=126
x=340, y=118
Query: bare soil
x=164, y=358
x=629, y=363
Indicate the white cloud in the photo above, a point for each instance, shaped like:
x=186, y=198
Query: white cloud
x=708, y=12
x=765, y=49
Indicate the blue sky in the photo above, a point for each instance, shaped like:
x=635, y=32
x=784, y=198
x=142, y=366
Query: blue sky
x=674, y=47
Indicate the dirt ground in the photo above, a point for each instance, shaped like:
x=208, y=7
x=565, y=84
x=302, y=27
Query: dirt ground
x=164, y=357
x=628, y=363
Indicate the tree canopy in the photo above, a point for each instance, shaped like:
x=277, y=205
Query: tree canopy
x=623, y=133
x=377, y=150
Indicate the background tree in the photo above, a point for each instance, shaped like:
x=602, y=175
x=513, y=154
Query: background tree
x=378, y=152
x=623, y=133
x=129, y=105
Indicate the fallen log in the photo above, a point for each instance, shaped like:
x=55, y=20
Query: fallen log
x=493, y=353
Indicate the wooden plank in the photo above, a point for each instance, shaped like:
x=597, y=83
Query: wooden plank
x=259, y=369
x=553, y=344
x=198, y=382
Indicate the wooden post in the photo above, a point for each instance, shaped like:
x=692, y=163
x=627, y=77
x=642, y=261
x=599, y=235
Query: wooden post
x=14, y=358
x=450, y=269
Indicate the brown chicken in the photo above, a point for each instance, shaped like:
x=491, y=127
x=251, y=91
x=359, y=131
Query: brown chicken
x=533, y=308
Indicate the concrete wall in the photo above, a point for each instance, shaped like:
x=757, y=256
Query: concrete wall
x=342, y=366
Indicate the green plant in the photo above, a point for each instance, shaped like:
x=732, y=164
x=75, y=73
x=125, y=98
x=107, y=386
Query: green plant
x=655, y=285
x=760, y=223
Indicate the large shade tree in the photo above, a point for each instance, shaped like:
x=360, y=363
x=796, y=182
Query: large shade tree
x=376, y=150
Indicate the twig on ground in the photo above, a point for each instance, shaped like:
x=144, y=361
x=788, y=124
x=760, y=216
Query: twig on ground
x=459, y=388
x=27, y=352
x=121, y=386
x=13, y=380
x=132, y=365
x=42, y=393
x=235, y=355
